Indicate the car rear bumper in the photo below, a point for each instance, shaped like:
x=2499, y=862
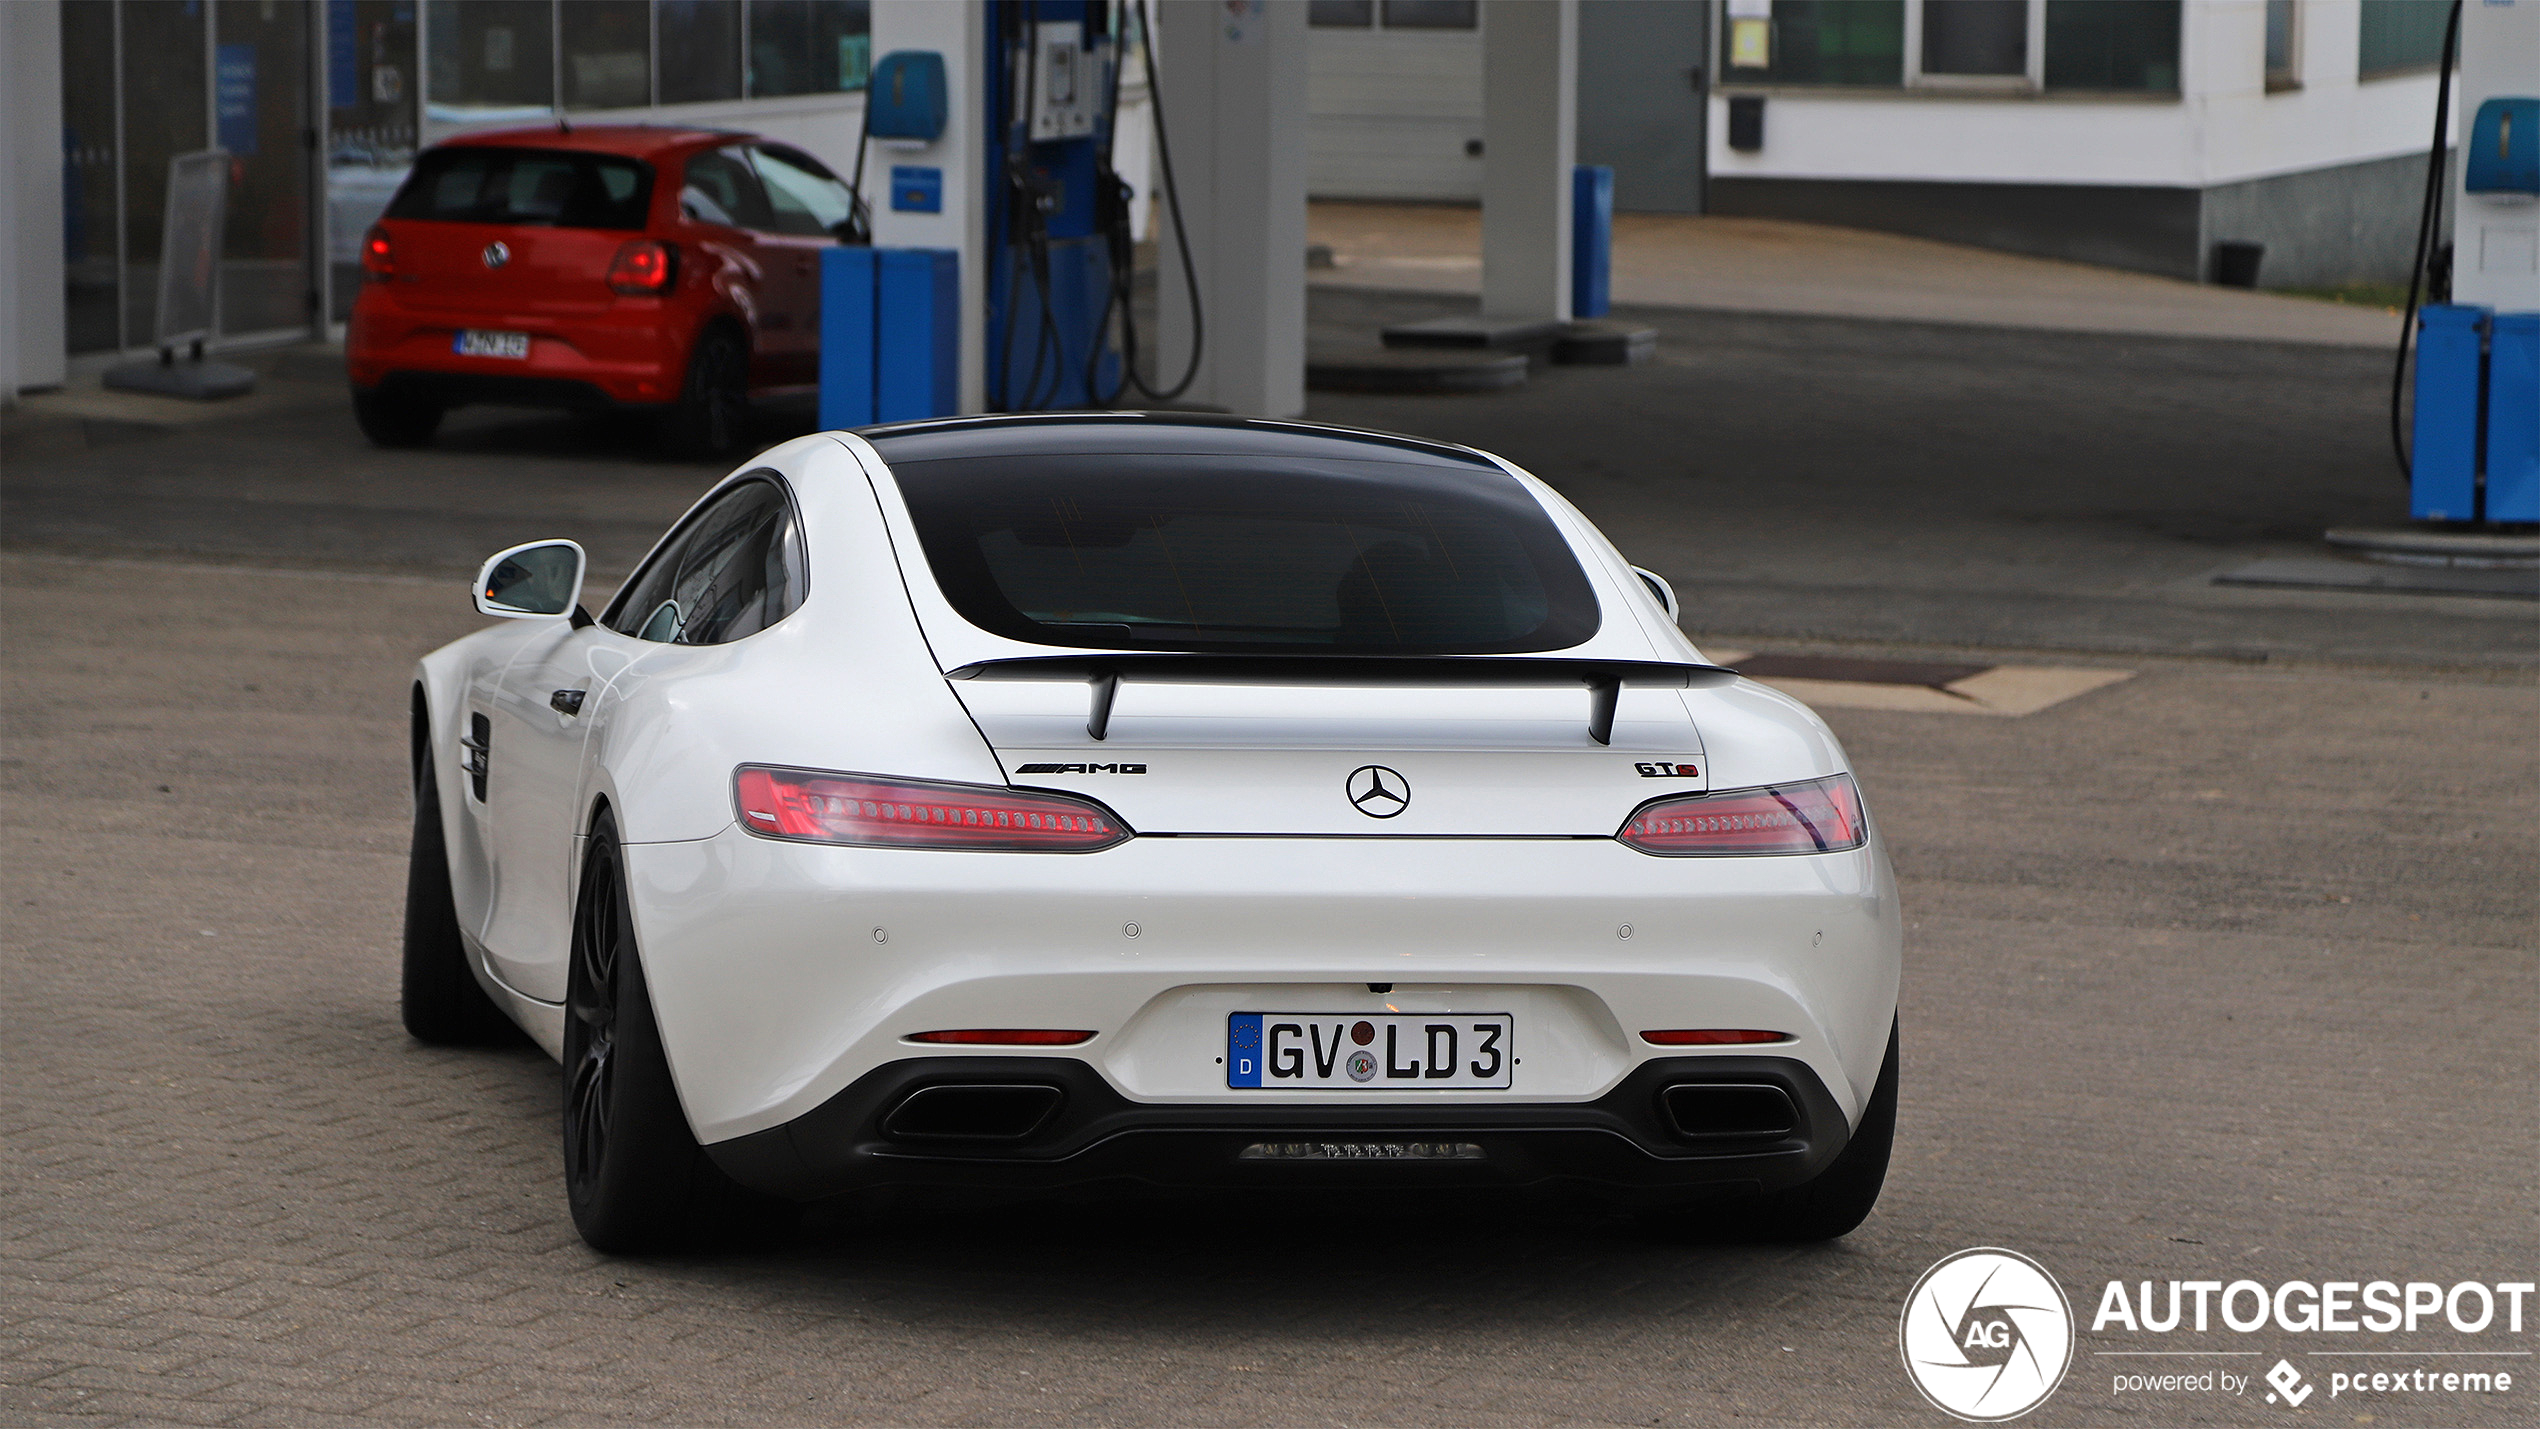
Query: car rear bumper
x=630, y=355
x=785, y=974
x=1675, y=1127
x=462, y=389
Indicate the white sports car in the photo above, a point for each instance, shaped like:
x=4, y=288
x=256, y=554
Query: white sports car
x=1027, y=802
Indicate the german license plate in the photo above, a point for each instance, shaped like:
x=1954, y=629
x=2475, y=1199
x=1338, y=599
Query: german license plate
x=476, y=342
x=1346, y=1052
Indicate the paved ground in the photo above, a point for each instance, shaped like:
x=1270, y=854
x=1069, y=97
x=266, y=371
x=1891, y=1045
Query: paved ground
x=2226, y=970
x=1763, y=265
x=2147, y=1035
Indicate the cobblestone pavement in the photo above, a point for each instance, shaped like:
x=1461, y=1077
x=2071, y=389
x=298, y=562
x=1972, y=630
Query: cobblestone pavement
x=2214, y=973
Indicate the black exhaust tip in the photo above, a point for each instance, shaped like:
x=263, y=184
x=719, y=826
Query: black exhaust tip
x=976, y=1112
x=1700, y=1112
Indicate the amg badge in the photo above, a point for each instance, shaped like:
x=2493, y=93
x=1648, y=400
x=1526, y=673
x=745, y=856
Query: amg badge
x=1081, y=769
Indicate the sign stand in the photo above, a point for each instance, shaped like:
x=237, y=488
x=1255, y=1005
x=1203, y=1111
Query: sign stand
x=189, y=276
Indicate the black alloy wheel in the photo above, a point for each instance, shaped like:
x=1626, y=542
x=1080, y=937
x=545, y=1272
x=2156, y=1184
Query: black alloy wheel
x=714, y=402
x=590, y=1029
x=635, y=1178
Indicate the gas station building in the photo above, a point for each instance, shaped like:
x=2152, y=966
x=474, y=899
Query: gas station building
x=2148, y=134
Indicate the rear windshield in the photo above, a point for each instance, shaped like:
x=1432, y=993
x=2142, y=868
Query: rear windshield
x=1248, y=556
x=552, y=187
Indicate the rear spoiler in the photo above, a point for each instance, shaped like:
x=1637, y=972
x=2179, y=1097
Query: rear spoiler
x=1603, y=679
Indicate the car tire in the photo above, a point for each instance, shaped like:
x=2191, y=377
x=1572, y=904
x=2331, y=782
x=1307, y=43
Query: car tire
x=1840, y=1198
x=714, y=400
x=438, y=995
x=1828, y=1207
x=635, y=1177
x=393, y=421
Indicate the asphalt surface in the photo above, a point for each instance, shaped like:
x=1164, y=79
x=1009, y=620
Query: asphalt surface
x=2225, y=971
x=1797, y=478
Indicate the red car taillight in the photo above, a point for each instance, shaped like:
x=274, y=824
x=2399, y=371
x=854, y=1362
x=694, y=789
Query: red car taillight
x=1821, y=816
x=1712, y=1037
x=918, y=813
x=1004, y=1037
x=379, y=256
x=643, y=266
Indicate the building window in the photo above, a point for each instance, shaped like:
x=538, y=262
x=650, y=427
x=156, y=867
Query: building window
x=1398, y=14
x=2400, y=35
x=1851, y=42
x=700, y=50
x=809, y=46
x=1432, y=14
x=491, y=59
x=1976, y=38
x=2283, y=68
x=608, y=54
x=2114, y=44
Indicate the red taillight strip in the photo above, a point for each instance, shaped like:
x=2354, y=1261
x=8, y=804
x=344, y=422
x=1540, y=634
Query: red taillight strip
x=643, y=266
x=1713, y=1037
x=818, y=806
x=1005, y=1037
x=379, y=255
x=1820, y=816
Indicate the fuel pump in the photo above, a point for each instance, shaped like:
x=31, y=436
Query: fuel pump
x=1060, y=248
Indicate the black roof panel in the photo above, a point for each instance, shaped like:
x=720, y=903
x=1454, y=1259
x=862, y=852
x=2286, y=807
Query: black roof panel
x=1152, y=434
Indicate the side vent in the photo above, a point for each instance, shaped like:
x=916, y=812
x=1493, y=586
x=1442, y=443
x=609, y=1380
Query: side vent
x=479, y=745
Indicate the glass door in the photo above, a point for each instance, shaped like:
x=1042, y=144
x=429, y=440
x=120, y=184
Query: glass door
x=165, y=113
x=371, y=89
x=263, y=118
x=92, y=190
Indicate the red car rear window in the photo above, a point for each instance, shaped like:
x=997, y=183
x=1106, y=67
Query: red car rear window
x=555, y=188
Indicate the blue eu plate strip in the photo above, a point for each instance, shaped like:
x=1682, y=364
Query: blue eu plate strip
x=1243, y=1049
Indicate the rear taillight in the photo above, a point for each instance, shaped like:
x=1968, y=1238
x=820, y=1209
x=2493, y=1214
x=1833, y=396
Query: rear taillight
x=1821, y=816
x=1712, y=1037
x=643, y=266
x=1004, y=1037
x=918, y=813
x=379, y=256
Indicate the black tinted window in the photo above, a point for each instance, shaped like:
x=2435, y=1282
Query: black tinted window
x=1247, y=555
x=553, y=187
x=734, y=569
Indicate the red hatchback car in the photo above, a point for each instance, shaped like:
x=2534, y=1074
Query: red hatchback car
x=669, y=271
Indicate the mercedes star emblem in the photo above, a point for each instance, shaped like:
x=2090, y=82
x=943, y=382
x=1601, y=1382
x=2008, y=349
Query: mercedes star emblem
x=497, y=253
x=1378, y=792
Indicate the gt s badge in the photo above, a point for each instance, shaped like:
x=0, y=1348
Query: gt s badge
x=1081, y=769
x=1662, y=770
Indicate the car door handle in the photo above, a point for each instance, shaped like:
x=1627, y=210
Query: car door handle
x=566, y=702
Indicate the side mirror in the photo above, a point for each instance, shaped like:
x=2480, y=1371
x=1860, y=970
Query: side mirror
x=535, y=581
x=1658, y=587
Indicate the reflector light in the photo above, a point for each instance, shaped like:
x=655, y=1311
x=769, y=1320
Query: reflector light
x=1712, y=1037
x=643, y=266
x=1005, y=1037
x=379, y=256
x=1821, y=816
x=918, y=813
